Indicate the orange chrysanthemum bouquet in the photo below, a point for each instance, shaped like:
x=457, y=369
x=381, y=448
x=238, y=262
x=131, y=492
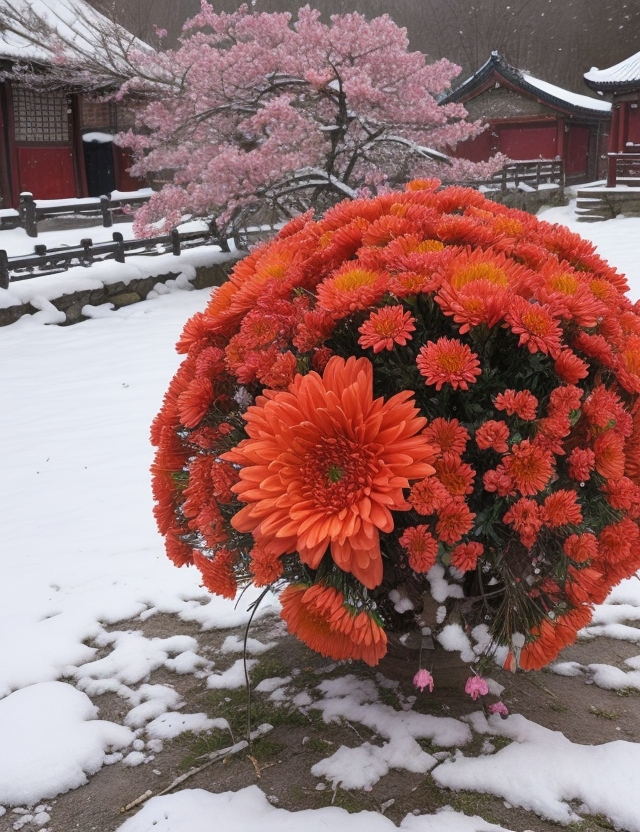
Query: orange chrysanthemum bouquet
x=421, y=395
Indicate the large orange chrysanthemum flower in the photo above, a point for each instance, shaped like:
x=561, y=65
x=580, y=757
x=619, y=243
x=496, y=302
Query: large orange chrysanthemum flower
x=325, y=464
x=319, y=616
x=448, y=361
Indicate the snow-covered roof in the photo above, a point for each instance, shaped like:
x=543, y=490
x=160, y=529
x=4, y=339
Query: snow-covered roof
x=74, y=20
x=574, y=98
x=551, y=94
x=624, y=74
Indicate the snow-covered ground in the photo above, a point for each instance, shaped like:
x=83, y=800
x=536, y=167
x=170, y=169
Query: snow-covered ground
x=80, y=552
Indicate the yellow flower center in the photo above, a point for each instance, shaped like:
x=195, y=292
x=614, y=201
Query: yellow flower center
x=536, y=322
x=565, y=283
x=479, y=271
x=354, y=279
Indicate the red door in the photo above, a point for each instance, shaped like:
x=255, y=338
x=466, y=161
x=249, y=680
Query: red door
x=577, y=151
x=528, y=141
x=47, y=172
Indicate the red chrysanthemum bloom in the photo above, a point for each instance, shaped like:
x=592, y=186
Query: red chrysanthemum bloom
x=351, y=288
x=454, y=520
x=595, y=346
x=526, y=518
x=539, y=331
x=217, y=574
x=623, y=495
x=581, y=547
x=529, y=466
x=421, y=546
x=613, y=545
x=313, y=330
x=583, y=585
x=498, y=481
x=325, y=464
x=281, y=373
x=195, y=401
x=265, y=567
x=428, y=495
x=561, y=509
x=223, y=477
x=609, y=451
x=581, y=461
x=447, y=435
x=448, y=361
x=570, y=368
x=386, y=327
x=479, y=266
x=456, y=476
x=476, y=303
x=493, y=434
x=523, y=403
x=323, y=622
x=465, y=556
x=564, y=400
x=551, y=431
x=604, y=409
x=320, y=358
x=179, y=552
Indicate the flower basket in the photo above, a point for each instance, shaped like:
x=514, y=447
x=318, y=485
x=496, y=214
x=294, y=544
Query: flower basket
x=419, y=411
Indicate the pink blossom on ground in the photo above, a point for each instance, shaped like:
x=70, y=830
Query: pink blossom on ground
x=476, y=686
x=499, y=708
x=423, y=679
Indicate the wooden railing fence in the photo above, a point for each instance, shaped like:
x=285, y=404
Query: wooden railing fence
x=30, y=213
x=53, y=261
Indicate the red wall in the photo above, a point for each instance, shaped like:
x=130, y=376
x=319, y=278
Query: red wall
x=576, y=151
x=125, y=182
x=633, y=134
x=47, y=172
x=478, y=149
x=517, y=141
x=529, y=141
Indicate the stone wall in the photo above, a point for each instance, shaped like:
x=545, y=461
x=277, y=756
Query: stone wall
x=119, y=294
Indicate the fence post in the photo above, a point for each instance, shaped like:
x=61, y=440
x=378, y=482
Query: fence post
x=119, y=253
x=4, y=269
x=28, y=218
x=105, y=209
x=87, y=256
x=175, y=242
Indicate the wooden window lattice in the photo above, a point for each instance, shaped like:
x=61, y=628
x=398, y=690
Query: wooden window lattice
x=99, y=115
x=40, y=117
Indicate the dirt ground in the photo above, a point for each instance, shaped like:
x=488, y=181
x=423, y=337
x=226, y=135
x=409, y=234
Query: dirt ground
x=281, y=761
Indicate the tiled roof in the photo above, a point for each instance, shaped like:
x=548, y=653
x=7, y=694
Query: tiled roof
x=548, y=93
x=626, y=74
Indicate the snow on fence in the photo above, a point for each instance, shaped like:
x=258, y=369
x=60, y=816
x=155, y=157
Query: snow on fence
x=56, y=260
x=533, y=174
x=32, y=211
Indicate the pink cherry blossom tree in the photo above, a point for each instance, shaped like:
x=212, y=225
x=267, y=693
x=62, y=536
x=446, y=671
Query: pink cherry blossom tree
x=257, y=117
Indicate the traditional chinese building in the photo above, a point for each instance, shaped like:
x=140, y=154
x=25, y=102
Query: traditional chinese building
x=530, y=119
x=622, y=83
x=56, y=143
